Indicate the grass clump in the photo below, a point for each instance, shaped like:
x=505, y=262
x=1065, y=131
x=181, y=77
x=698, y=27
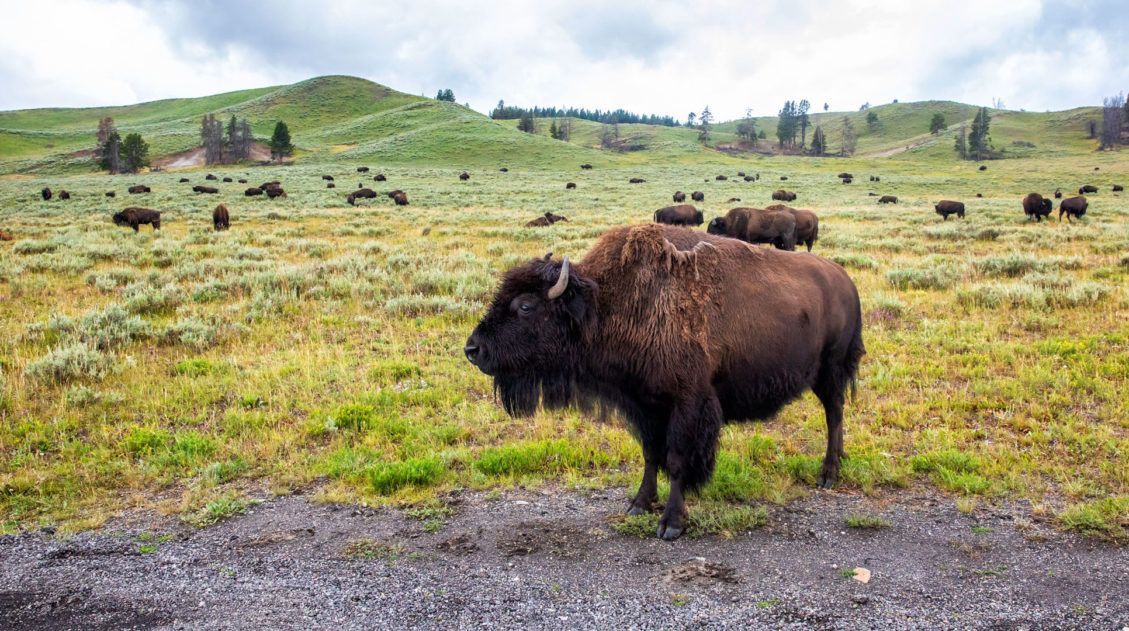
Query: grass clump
x=388, y=477
x=865, y=521
x=1105, y=518
x=146, y=441
x=540, y=457
x=922, y=278
x=70, y=363
x=194, y=367
x=953, y=470
x=217, y=510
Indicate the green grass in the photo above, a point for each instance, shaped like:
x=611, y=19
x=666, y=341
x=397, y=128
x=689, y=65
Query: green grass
x=865, y=521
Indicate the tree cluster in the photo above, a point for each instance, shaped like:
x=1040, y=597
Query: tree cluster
x=1115, y=121
x=280, y=145
x=818, y=142
x=221, y=148
x=511, y=112
x=116, y=155
x=446, y=95
x=979, y=140
x=747, y=128
x=793, y=121
x=937, y=124
x=562, y=131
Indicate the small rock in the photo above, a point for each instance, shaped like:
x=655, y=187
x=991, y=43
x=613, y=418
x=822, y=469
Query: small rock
x=860, y=599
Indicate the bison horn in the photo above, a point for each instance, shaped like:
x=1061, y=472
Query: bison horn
x=562, y=282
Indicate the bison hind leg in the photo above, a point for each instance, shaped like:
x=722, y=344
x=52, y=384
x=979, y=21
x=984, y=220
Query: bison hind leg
x=691, y=450
x=831, y=388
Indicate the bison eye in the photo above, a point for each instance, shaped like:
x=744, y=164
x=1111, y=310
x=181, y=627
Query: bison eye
x=525, y=308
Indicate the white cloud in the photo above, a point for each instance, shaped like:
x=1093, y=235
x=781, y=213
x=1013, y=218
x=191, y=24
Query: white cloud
x=666, y=57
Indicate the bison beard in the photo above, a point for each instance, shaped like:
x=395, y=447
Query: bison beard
x=640, y=326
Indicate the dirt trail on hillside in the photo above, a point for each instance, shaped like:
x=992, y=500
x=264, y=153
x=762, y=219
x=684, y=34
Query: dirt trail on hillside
x=195, y=157
x=551, y=560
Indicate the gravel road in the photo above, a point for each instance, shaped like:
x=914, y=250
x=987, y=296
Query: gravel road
x=551, y=560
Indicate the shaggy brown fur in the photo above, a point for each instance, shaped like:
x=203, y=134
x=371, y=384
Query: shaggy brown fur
x=655, y=323
x=1035, y=206
x=782, y=195
x=274, y=191
x=401, y=198
x=134, y=217
x=570, y=186
x=221, y=219
x=680, y=215
x=698, y=196
x=807, y=224
x=1073, y=207
x=205, y=189
x=754, y=225
x=251, y=192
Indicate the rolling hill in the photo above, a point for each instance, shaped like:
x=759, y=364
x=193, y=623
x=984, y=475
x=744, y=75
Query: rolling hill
x=338, y=117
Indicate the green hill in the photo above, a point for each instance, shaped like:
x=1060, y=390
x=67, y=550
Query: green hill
x=339, y=117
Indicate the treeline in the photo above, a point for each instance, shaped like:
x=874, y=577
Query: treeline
x=221, y=148
x=511, y=112
x=113, y=154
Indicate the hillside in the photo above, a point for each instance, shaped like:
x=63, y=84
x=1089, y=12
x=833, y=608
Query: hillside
x=338, y=117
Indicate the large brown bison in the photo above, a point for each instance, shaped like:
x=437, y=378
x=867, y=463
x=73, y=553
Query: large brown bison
x=274, y=191
x=807, y=224
x=656, y=323
x=782, y=195
x=1088, y=188
x=134, y=217
x=698, y=196
x=888, y=199
x=949, y=207
x=362, y=193
x=139, y=188
x=679, y=197
x=1072, y=207
x=199, y=188
x=1035, y=206
x=330, y=185
x=251, y=192
x=401, y=198
x=221, y=219
x=754, y=225
x=983, y=167
x=680, y=215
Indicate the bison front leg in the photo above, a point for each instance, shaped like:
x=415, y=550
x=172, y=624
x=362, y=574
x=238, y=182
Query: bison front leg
x=692, y=437
x=648, y=489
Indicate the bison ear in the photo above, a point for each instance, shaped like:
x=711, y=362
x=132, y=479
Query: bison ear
x=580, y=302
x=548, y=257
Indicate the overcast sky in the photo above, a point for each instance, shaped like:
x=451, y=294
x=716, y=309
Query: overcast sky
x=649, y=57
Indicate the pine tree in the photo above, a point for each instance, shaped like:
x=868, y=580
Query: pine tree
x=786, y=124
x=804, y=121
x=937, y=124
x=818, y=142
x=871, y=119
x=960, y=144
x=691, y=118
x=850, y=140
x=135, y=153
x=705, y=119
x=246, y=139
x=107, y=154
x=526, y=123
x=979, y=142
x=280, y=145
x=231, y=150
x=747, y=128
x=553, y=130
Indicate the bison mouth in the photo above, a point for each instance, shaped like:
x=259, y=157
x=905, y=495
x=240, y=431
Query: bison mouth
x=522, y=394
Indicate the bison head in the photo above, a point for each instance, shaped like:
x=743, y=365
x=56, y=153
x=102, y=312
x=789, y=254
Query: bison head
x=717, y=226
x=530, y=340
x=120, y=219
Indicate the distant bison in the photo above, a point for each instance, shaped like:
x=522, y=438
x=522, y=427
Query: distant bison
x=586, y=166
x=379, y=178
x=783, y=178
x=875, y=178
x=636, y=180
x=547, y=220
x=680, y=215
x=266, y=185
x=242, y=181
x=782, y=195
x=139, y=188
x=1072, y=207
x=134, y=217
x=757, y=226
x=570, y=185
x=253, y=191
x=205, y=189
x=183, y=180
x=721, y=178
x=983, y=167
x=46, y=193
x=401, y=198
x=64, y=195
x=698, y=196
x=362, y=169
x=847, y=180
x=732, y=199
x=845, y=176
x=807, y=224
x=221, y=219
x=274, y=191
x=504, y=170
x=1035, y=206
x=327, y=178
x=947, y=207
x=227, y=179
x=980, y=194
x=888, y=199
x=464, y=176
x=364, y=193
x=111, y=194
x=749, y=178
x=6, y=236
x=210, y=177
x=679, y=196
x=330, y=185
x=1117, y=188
x=1058, y=193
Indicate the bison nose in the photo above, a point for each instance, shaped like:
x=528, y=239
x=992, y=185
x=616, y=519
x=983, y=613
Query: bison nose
x=471, y=350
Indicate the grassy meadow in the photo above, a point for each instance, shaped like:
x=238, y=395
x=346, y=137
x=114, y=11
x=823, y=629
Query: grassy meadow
x=316, y=347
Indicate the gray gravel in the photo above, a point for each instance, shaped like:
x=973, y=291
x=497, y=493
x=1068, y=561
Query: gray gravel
x=550, y=560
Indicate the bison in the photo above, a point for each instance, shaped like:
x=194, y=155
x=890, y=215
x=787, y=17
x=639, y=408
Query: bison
x=464, y=176
x=327, y=178
x=845, y=176
x=947, y=207
x=266, y=185
x=721, y=178
x=330, y=185
x=782, y=195
x=888, y=199
x=183, y=180
x=504, y=170
x=732, y=199
x=807, y=224
x=875, y=178
x=983, y=167
x=227, y=180
x=274, y=191
x=134, y=217
x=655, y=323
x=680, y=215
x=139, y=188
x=1035, y=206
x=570, y=185
x=210, y=177
x=362, y=169
x=547, y=219
x=847, y=180
x=221, y=219
x=111, y=194
x=749, y=178
x=401, y=198
x=698, y=196
x=757, y=226
x=679, y=197
x=586, y=166
x=253, y=191
x=242, y=181
x=783, y=178
x=1058, y=193
x=379, y=178
x=1088, y=188
x=63, y=194
x=362, y=193
x=1117, y=188
x=211, y=190
x=636, y=180
x=1072, y=207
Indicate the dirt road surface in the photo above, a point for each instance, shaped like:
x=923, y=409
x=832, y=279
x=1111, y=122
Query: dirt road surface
x=551, y=560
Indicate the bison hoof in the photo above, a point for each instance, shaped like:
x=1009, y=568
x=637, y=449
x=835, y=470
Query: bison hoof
x=826, y=479
x=668, y=533
x=635, y=509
